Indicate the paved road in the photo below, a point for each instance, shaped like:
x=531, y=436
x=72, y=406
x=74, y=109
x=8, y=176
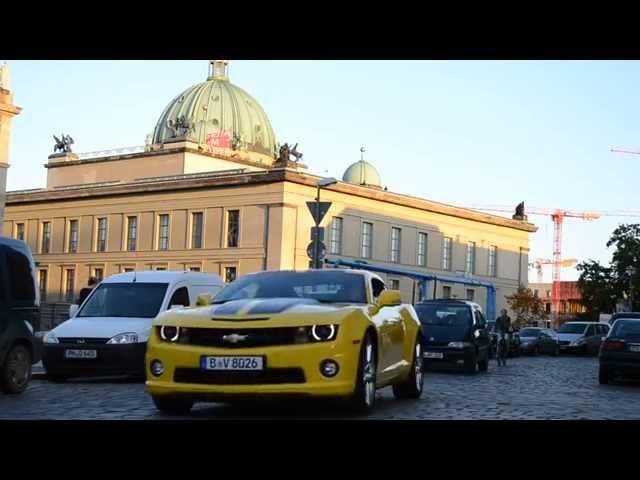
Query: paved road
x=527, y=388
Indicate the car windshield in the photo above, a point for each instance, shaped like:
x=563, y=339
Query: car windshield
x=572, y=328
x=623, y=328
x=529, y=332
x=324, y=286
x=136, y=300
x=444, y=315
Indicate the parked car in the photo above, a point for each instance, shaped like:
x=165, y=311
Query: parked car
x=455, y=335
x=618, y=315
x=620, y=351
x=536, y=341
x=19, y=315
x=108, y=333
x=582, y=337
x=320, y=333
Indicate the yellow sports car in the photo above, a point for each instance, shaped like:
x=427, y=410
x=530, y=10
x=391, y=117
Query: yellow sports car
x=325, y=333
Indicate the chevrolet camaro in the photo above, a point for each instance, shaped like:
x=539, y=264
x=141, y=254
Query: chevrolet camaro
x=320, y=333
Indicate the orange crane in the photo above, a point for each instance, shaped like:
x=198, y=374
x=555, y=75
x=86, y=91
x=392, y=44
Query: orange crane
x=625, y=150
x=538, y=263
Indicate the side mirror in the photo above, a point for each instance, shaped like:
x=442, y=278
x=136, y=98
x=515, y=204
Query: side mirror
x=203, y=300
x=389, y=298
x=73, y=309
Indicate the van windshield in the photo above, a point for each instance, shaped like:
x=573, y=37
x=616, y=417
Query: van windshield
x=135, y=300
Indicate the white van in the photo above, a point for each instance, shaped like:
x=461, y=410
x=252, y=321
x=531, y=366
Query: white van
x=108, y=333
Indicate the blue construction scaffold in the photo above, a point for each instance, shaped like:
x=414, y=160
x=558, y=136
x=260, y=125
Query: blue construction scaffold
x=423, y=280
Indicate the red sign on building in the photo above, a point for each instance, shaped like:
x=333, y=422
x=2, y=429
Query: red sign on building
x=219, y=140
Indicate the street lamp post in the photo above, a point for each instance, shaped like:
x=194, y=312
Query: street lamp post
x=631, y=271
x=322, y=183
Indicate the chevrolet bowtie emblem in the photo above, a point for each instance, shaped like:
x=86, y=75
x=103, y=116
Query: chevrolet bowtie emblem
x=234, y=338
x=80, y=340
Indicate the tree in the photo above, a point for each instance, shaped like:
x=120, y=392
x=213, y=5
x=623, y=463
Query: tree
x=625, y=262
x=598, y=287
x=527, y=306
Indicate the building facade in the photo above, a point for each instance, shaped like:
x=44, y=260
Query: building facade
x=213, y=191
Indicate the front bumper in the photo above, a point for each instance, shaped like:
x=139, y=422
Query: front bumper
x=528, y=348
x=573, y=348
x=290, y=370
x=451, y=357
x=127, y=359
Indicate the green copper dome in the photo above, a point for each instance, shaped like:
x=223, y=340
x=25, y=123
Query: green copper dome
x=362, y=173
x=217, y=114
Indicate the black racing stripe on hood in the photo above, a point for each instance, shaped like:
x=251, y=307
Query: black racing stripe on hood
x=231, y=308
x=279, y=305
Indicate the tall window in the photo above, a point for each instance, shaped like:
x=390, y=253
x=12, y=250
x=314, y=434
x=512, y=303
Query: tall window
x=70, y=275
x=99, y=274
x=42, y=284
x=395, y=284
x=367, y=233
x=102, y=235
x=229, y=274
x=196, y=230
x=493, y=255
x=446, y=254
x=163, y=234
x=132, y=233
x=395, y=244
x=73, y=236
x=422, y=249
x=446, y=291
x=233, y=227
x=46, y=237
x=335, y=246
x=470, y=294
x=470, y=258
x=20, y=231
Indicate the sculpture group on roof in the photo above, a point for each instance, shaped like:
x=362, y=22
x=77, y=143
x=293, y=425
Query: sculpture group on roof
x=63, y=144
x=286, y=152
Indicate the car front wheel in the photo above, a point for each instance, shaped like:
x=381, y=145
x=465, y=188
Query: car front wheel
x=412, y=387
x=364, y=395
x=16, y=371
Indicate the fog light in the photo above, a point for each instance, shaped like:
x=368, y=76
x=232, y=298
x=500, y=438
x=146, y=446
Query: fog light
x=329, y=368
x=157, y=368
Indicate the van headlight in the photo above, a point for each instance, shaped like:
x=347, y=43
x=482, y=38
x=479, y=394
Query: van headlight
x=122, y=338
x=50, y=337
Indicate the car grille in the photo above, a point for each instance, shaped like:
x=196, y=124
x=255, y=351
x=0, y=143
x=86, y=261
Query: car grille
x=83, y=341
x=564, y=342
x=255, y=337
x=270, y=376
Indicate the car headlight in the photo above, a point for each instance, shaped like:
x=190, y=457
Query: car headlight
x=459, y=344
x=50, y=337
x=169, y=333
x=316, y=333
x=124, y=338
x=578, y=342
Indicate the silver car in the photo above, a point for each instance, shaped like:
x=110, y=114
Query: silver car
x=582, y=337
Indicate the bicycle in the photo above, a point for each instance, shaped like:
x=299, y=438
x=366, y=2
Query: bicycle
x=502, y=349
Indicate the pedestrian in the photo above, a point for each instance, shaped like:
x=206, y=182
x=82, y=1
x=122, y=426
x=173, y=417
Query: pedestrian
x=84, y=293
x=503, y=328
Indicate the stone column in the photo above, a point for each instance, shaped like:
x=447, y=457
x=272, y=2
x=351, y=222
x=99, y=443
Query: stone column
x=7, y=111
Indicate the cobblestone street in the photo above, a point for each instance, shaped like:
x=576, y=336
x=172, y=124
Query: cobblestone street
x=527, y=388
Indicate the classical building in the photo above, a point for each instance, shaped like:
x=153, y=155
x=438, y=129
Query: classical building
x=212, y=190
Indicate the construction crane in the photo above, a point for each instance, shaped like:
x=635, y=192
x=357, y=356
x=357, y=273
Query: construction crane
x=625, y=150
x=538, y=263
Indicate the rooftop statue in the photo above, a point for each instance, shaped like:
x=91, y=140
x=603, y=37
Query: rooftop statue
x=520, y=210
x=181, y=126
x=286, y=152
x=63, y=144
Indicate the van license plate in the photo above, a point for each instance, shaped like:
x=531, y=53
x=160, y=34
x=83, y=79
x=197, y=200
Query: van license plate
x=81, y=354
x=634, y=348
x=232, y=363
x=433, y=355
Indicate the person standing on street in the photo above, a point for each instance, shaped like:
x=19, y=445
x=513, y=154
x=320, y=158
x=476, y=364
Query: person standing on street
x=503, y=328
x=84, y=293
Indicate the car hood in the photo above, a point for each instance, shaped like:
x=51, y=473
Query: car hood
x=103, y=327
x=286, y=310
x=570, y=337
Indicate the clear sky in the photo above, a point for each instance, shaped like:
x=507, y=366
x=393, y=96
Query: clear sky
x=468, y=132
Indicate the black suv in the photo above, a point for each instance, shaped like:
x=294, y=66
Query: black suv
x=19, y=316
x=455, y=335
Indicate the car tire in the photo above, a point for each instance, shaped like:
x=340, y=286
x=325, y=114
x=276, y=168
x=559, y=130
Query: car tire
x=16, y=371
x=364, y=394
x=604, y=376
x=556, y=352
x=171, y=405
x=472, y=365
x=412, y=386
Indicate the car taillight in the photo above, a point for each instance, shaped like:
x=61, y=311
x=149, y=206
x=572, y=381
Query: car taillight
x=613, y=345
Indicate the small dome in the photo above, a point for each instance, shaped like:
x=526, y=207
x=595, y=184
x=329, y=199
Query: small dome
x=218, y=114
x=362, y=173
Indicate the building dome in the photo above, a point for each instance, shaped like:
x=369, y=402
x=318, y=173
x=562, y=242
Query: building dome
x=362, y=173
x=217, y=115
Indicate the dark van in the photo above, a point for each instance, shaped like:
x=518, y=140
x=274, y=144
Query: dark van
x=455, y=335
x=19, y=315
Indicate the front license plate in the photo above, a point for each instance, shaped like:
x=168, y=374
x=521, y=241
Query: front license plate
x=433, y=355
x=80, y=354
x=634, y=348
x=232, y=363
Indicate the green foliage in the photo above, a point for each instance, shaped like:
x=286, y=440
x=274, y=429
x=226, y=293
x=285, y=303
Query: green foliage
x=527, y=307
x=598, y=286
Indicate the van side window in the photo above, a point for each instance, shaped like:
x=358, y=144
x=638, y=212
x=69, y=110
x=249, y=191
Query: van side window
x=180, y=297
x=377, y=287
x=22, y=286
x=479, y=317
